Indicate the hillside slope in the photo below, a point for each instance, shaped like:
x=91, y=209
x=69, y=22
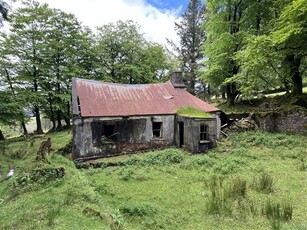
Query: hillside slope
x=235, y=186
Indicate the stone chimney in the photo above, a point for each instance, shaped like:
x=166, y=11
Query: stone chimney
x=177, y=80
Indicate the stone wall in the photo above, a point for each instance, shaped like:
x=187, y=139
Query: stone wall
x=290, y=121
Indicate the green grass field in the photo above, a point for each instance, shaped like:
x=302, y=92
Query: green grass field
x=253, y=180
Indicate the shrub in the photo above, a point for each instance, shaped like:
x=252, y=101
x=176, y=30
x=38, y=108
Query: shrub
x=117, y=220
x=229, y=165
x=40, y=176
x=133, y=160
x=67, y=149
x=202, y=160
x=139, y=210
x=126, y=174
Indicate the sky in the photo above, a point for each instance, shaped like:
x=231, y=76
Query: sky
x=155, y=17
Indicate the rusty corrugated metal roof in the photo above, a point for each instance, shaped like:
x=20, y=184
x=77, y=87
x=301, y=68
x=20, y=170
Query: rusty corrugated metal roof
x=109, y=99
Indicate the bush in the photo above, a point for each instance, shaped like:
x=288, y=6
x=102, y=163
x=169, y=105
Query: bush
x=138, y=210
x=126, y=174
x=229, y=165
x=40, y=176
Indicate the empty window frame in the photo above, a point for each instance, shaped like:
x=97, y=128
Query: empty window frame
x=204, y=132
x=108, y=132
x=157, y=129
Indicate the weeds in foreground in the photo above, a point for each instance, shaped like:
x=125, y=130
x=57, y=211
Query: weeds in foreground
x=302, y=165
x=264, y=183
x=276, y=212
x=138, y=210
x=52, y=214
x=117, y=220
x=223, y=195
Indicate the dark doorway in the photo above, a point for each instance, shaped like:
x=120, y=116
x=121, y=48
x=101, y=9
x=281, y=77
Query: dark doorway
x=181, y=134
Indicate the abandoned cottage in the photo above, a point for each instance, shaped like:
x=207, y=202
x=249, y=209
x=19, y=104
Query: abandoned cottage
x=113, y=119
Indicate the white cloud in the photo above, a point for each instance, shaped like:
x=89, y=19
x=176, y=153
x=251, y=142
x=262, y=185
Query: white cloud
x=157, y=25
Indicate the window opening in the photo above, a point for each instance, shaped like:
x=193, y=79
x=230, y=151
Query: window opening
x=79, y=107
x=108, y=132
x=156, y=129
x=204, y=133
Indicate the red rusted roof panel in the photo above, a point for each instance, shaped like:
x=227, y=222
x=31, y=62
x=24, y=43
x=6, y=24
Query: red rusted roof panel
x=109, y=99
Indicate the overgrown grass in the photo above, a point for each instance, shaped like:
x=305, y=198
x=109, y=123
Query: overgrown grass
x=192, y=112
x=253, y=180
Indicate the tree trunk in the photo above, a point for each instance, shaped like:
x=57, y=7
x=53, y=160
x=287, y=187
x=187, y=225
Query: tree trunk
x=53, y=124
x=39, y=129
x=24, y=128
x=59, y=118
x=67, y=117
x=1, y=135
x=52, y=116
x=296, y=76
x=208, y=89
x=231, y=93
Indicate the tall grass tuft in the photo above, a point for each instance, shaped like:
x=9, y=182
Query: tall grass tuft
x=287, y=211
x=236, y=188
x=264, y=183
x=217, y=203
x=302, y=165
x=52, y=214
x=276, y=212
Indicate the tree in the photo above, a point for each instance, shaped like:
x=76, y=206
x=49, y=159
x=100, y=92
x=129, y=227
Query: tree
x=192, y=35
x=4, y=9
x=124, y=56
x=289, y=37
x=27, y=42
x=46, y=48
x=276, y=55
x=11, y=104
x=224, y=40
x=61, y=58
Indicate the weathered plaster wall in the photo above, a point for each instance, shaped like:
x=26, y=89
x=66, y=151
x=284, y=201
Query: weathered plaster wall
x=192, y=133
x=132, y=134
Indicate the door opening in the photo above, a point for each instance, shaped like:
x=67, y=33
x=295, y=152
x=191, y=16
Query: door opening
x=181, y=134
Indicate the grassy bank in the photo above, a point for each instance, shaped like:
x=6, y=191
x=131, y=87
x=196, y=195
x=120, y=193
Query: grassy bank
x=252, y=180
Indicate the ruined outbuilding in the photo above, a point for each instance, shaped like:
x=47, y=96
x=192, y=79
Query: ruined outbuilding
x=113, y=119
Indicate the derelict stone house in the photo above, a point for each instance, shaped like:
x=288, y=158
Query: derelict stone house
x=112, y=119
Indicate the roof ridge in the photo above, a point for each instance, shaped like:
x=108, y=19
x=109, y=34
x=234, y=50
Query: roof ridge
x=120, y=84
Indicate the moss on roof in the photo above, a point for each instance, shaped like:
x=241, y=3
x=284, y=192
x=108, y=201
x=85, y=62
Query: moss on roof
x=192, y=112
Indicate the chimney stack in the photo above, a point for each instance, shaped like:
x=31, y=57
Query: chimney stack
x=177, y=80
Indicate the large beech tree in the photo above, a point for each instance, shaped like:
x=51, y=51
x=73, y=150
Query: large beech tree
x=124, y=55
x=255, y=45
